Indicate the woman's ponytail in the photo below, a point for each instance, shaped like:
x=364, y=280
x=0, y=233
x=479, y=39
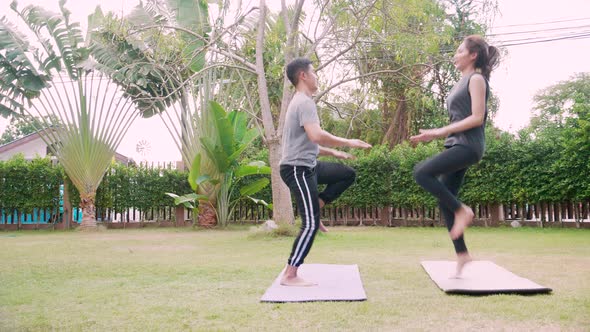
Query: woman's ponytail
x=487, y=56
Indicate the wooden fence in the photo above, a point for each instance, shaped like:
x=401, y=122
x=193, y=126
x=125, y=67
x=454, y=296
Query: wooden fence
x=566, y=214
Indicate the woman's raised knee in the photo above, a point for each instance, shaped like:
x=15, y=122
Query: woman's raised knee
x=418, y=172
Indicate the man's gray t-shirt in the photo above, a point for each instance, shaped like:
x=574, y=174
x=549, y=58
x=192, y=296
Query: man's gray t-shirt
x=298, y=150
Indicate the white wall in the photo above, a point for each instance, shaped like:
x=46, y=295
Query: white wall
x=30, y=149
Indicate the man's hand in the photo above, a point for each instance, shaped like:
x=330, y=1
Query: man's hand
x=342, y=155
x=357, y=143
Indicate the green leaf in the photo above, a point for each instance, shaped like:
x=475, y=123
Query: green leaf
x=172, y=195
x=245, y=170
x=195, y=172
x=224, y=127
x=261, y=202
x=95, y=20
x=250, y=136
x=216, y=154
x=35, y=83
x=196, y=60
x=239, y=122
x=8, y=111
x=204, y=178
x=188, y=205
x=192, y=197
x=258, y=163
x=214, y=181
x=254, y=187
x=194, y=16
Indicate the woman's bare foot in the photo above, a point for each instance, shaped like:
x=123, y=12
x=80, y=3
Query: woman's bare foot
x=463, y=218
x=296, y=282
x=323, y=228
x=462, y=260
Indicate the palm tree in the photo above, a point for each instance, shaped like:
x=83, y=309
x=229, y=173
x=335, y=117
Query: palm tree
x=53, y=76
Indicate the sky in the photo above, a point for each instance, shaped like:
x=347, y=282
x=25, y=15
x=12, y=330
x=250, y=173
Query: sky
x=526, y=69
x=523, y=71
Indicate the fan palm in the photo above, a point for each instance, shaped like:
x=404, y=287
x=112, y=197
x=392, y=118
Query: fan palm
x=52, y=76
x=170, y=56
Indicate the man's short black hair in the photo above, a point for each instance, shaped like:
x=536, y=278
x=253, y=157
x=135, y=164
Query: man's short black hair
x=295, y=67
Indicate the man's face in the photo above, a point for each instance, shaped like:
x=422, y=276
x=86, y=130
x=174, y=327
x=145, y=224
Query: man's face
x=310, y=79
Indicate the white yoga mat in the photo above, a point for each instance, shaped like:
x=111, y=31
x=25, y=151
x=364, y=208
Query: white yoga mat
x=334, y=283
x=479, y=278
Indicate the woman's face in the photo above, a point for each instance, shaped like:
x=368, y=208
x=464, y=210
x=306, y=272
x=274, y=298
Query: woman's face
x=462, y=58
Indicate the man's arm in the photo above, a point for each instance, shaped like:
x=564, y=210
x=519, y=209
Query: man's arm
x=323, y=138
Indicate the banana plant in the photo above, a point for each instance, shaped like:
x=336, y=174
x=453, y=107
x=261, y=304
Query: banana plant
x=231, y=138
x=191, y=200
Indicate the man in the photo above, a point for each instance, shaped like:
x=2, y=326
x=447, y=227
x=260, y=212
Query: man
x=303, y=141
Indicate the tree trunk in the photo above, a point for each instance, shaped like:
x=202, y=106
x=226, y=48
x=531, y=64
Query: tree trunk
x=397, y=131
x=495, y=214
x=67, y=205
x=282, y=211
x=89, y=212
x=577, y=212
x=185, y=123
x=539, y=213
x=386, y=114
x=19, y=215
x=179, y=216
x=281, y=198
x=207, y=216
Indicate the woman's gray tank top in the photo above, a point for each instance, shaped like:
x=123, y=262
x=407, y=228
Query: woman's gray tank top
x=459, y=107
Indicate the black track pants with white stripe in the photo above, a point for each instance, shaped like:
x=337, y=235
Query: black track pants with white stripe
x=303, y=183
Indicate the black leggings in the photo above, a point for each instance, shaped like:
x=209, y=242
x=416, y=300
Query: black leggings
x=442, y=176
x=303, y=183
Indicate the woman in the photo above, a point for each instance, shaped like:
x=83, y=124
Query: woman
x=443, y=174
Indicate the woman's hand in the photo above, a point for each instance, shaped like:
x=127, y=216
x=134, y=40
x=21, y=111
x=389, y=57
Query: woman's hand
x=427, y=135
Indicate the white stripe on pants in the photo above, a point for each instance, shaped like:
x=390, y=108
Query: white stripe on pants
x=308, y=231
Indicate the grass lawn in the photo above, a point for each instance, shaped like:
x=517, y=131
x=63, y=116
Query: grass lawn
x=182, y=279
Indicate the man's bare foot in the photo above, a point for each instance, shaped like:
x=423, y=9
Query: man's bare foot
x=296, y=282
x=462, y=260
x=463, y=218
x=290, y=278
